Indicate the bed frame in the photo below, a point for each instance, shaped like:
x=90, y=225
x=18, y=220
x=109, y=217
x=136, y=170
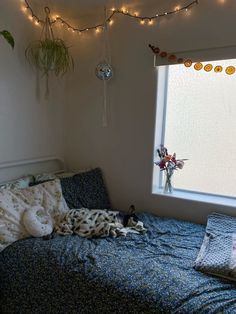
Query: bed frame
x=11, y=170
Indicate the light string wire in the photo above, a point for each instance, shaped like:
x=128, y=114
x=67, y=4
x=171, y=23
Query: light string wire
x=98, y=27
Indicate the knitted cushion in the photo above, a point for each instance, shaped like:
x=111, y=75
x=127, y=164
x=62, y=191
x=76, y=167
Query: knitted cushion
x=217, y=255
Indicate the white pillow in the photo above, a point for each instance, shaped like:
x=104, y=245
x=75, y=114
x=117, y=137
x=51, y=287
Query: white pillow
x=13, y=203
x=37, y=221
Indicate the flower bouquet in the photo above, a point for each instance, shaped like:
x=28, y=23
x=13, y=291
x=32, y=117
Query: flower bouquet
x=168, y=163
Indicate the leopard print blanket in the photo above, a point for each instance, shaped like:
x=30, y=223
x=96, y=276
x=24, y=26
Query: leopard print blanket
x=96, y=223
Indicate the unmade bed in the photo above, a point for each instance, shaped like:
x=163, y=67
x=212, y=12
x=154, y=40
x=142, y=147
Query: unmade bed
x=150, y=273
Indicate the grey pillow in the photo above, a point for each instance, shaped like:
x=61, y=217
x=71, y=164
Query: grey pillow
x=217, y=255
x=86, y=189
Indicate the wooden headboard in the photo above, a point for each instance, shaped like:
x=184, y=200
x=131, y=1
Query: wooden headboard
x=11, y=170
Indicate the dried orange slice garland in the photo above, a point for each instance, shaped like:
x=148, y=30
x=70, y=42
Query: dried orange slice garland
x=198, y=66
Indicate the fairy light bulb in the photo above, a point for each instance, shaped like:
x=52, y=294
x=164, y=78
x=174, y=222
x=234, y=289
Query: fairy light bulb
x=188, y=12
x=26, y=8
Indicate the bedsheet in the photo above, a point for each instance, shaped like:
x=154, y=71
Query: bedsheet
x=150, y=273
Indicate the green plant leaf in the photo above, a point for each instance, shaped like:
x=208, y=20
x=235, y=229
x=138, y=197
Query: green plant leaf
x=9, y=38
x=50, y=55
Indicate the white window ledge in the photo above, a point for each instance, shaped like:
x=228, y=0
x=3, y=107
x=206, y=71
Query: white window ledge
x=198, y=197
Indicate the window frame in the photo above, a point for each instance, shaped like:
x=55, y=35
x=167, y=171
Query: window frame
x=162, y=73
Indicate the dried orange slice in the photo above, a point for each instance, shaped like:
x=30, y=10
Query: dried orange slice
x=172, y=57
x=163, y=54
x=198, y=66
x=218, y=69
x=208, y=67
x=230, y=70
x=188, y=63
x=180, y=60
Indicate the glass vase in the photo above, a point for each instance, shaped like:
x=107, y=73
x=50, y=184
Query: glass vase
x=168, y=188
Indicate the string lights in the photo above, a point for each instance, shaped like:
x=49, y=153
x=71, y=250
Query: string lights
x=148, y=20
x=198, y=66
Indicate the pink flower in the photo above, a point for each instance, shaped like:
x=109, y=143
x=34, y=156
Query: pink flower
x=174, y=158
x=162, y=164
x=167, y=161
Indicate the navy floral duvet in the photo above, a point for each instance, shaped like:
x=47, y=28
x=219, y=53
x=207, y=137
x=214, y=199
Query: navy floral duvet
x=150, y=273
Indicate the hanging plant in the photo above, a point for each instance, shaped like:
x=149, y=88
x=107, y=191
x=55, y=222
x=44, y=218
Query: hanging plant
x=49, y=54
x=8, y=37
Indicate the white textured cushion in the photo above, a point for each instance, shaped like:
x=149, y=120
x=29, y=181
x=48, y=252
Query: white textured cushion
x=37, y=221
x=217, y=255
x=13, y=203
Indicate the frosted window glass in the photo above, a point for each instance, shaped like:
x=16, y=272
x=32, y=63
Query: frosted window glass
x=201, y=126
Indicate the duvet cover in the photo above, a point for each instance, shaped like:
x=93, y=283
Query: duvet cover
x=148, y=273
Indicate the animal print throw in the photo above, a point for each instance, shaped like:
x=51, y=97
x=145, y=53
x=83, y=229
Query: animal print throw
x=96, y=223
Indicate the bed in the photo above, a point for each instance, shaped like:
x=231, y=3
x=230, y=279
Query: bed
x=149, y=273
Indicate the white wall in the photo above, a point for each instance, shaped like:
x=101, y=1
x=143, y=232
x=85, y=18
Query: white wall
x=30, y=126
x=124, y=150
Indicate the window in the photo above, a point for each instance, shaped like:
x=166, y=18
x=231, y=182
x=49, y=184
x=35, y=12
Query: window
x=196, y=118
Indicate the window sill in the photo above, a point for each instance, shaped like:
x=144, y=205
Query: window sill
x=197, y=197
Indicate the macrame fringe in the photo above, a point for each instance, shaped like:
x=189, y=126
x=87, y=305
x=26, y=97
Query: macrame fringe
x=105, y=117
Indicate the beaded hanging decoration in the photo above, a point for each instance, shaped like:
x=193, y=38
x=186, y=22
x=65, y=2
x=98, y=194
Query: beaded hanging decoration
x=198, y=66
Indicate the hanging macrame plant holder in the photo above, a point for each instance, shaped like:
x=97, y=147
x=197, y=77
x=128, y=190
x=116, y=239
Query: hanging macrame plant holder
x=104, y=71
x=49, y=54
